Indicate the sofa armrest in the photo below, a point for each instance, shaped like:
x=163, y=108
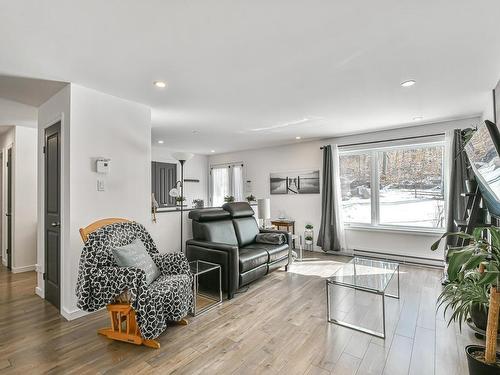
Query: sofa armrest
x=227, y=256
x=213, y=245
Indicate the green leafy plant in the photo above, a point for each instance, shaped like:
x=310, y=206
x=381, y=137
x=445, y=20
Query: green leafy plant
x=250, y=198
x=228, y=198
x=460, y=297
x=473, y=266
x=308, y=238
x=180, y=199
x=309, y=226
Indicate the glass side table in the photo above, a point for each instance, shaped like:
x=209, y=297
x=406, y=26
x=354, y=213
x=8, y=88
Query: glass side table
x=205, y=300
x=365, y=275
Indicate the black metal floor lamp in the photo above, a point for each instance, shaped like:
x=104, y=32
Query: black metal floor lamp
x=182, y=158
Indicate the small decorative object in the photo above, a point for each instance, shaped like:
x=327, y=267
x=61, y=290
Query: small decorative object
x=198, y=203
x=154, y=207
x=309, y=240
x=251, y=198
x=180, y=200
x=228, y=198
x=309, y=233
x=305, y=182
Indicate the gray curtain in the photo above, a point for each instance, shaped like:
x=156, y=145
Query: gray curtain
x=327, y=236
x=458, y=175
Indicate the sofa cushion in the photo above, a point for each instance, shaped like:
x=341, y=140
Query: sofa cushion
x=275, y=251
x=246, y=229
x=238, y=209
x=252, y=258
x=221, y=231
x=252, y=275
x=209, y=214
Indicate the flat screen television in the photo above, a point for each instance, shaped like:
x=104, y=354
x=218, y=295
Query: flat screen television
x=483, y=151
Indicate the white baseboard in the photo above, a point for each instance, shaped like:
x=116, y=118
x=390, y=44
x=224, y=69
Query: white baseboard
x=73, y=314
x=23, y=269
x=39, y=292
x=4, y=261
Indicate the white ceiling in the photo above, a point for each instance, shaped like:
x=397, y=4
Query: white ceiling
x=247, y=74
x=28, y=91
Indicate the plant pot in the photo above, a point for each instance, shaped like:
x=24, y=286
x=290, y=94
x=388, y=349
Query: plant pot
x=308, y=242
x=479, y=316
x=477, y=367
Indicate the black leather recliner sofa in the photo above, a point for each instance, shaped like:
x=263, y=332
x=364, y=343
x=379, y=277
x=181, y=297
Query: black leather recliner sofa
x=226, y=236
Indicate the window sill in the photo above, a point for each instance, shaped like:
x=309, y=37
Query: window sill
x=392, y=229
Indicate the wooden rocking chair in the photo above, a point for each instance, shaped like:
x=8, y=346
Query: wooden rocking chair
x=124, y=325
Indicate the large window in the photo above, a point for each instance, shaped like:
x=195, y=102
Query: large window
x=399, y=186
x=226, y=180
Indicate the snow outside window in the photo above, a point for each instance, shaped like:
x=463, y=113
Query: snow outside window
x=400, y=186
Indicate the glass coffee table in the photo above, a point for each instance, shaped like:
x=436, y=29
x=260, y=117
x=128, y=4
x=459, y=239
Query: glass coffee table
x=205, y=300
x=366, y=275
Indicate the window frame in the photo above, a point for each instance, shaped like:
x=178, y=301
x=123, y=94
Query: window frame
x=374, y=152
x=231, y=187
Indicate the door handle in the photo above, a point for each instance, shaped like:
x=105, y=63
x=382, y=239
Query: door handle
x=55, y=224
x=8, y=214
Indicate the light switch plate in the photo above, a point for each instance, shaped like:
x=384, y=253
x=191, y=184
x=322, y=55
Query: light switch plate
x=100, y=185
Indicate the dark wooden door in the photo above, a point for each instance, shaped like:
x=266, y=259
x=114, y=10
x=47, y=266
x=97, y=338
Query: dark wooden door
x=163, y=178
x=9, y=208
x=52, y=273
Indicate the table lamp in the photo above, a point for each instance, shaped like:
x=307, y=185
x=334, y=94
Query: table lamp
x=264, y=211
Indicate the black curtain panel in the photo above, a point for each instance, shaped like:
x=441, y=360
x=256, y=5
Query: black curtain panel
x=458, y=175
x=327, y=236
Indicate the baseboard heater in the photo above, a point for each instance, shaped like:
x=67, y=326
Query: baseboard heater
x=404, y=259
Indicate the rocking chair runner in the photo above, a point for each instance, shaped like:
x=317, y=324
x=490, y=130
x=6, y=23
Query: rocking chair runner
x=123, y=317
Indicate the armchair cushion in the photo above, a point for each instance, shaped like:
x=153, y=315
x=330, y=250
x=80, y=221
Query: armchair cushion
x=136, y=255
x=100, y=281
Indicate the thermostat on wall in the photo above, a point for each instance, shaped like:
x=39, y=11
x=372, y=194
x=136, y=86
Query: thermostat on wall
x=102, y=165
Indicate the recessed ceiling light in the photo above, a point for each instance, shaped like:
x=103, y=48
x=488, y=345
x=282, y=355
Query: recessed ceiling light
x=160, y=142
x=417, y=118
x=408, y=83
x=212, y=151
x=160, y=84
x=195, y=131
x=297, y=137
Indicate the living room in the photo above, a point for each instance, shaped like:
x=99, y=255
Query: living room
x=232, y=187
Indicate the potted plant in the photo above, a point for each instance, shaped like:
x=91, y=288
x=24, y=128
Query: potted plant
x=180, y=200
x=228, y=198
x=309, y=240
x=309, y=226
x=198, y=203
x=470, y=266
x=250, y=198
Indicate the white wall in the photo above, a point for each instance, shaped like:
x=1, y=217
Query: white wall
x=24, y=199
x=14, y=113
x=305, y=209
x=6, y=141
x=258, y=164
x=166, y=230
x=96, y=125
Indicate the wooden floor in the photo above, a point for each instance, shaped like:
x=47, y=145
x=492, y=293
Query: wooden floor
x=278, y=326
